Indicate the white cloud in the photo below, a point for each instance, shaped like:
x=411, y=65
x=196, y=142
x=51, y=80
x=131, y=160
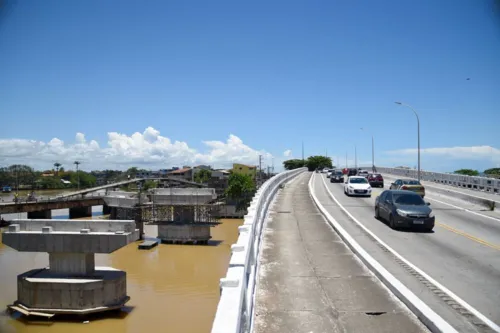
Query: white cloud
x=463, y=153
x=287, y=153
x=148, y=150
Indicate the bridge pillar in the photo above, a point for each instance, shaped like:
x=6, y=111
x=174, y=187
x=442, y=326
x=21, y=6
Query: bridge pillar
x=79, y=212
x=113, y=213
x=139, y=223
x=106, y=210
x=41, y=214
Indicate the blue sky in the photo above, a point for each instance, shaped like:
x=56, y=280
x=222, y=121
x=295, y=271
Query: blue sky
x=272, y=73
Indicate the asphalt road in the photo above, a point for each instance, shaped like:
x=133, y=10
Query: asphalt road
x=463, y=252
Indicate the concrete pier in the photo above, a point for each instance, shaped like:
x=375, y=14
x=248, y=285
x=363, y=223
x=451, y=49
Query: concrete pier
x=72, y=284
x=42, y=214
x=106, y=210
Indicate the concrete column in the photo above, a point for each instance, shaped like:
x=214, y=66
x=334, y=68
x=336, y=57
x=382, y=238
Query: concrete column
x=72, y=263
x=106, y=209
x=42, y=214
x=183, y=214
x=78, y=212
x=113, y=213
x=139, y=223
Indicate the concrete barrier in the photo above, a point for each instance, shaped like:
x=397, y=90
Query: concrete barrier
x=235, y=310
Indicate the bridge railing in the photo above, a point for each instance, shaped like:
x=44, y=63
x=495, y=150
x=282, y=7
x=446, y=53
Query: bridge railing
x=235, y=310
x=476, y=183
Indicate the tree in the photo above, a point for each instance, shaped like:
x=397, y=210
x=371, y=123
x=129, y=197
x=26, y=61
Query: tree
x=57, y=165
x=315, y=162
x=241, y=189
x=492, y=171
x=149, y=184
x=293, y=164
x=202, y=176
x=467, y=172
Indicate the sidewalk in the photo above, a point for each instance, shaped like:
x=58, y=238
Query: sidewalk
x=310, y=281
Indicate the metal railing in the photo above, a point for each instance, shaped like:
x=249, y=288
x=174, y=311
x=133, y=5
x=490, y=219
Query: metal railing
x=485, y=184
x=235, y=310
x=44, y=199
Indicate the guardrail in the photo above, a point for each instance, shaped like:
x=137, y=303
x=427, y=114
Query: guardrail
x=485, y=184
x=235, y=310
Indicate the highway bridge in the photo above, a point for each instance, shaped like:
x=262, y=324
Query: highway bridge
x=318, y=260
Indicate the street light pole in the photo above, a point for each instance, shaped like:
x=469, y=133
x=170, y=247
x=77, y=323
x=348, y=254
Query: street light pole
x=418, y=135
x=373, y=151
x=355, y=158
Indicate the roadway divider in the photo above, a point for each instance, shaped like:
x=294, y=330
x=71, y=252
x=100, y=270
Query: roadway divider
x=235, y=310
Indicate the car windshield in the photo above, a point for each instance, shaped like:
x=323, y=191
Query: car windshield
x=338, y=173
x=411, y=182
x=358, y=181
x=405, y=199
x=375, y=175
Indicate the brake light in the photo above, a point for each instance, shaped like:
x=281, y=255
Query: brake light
x=404, y=188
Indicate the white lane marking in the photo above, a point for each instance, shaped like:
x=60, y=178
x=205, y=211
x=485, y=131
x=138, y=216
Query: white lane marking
x=460, y=301
x=431, y=319
x=458, y=207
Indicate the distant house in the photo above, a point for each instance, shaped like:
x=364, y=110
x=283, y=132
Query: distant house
x=185, y=173
x=245, y=169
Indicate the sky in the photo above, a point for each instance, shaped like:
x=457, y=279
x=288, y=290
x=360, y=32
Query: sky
x=157, y=84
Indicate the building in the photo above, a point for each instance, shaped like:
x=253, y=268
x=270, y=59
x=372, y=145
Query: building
x=245, y=169
x=185, y=173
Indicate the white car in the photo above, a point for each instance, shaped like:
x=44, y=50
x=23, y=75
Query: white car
x=329, y=173
x=325, y=170
x=356, y=185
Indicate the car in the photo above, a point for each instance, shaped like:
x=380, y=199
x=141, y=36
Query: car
x=404, y=209
x=363, y=173
x=337, y=176
x=352, y=172
x=328, y=173
x=325, y=170
x=375, y=180
x=358, y=186
x=408, y=185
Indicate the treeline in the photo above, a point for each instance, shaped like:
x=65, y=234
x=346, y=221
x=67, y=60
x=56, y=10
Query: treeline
x=25, y=177
x=311, y=163
x=493, y=172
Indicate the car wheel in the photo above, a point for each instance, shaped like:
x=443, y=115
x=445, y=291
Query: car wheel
x=377, y=213
x=429, y=229
x=391, y=222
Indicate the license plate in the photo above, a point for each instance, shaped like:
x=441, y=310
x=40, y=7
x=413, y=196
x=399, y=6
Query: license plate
x=418, y=222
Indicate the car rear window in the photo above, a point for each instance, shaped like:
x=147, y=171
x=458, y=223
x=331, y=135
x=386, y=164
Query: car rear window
x=405, y=199
x=411, y=182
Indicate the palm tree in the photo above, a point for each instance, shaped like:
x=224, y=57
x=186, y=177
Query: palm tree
x=57, y=165
x=77, y=175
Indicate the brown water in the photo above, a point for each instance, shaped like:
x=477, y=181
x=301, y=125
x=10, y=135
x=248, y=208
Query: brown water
x=173, y=288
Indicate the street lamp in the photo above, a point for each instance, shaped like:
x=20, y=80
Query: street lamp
x=373, y=151
x=418, y=135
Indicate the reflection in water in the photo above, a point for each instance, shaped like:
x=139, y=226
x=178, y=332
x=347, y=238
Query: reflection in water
x=173, y=288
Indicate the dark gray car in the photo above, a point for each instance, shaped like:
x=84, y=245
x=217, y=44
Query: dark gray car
x=404, y=209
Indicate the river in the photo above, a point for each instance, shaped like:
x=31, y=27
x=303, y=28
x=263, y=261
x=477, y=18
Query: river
x=173, y=288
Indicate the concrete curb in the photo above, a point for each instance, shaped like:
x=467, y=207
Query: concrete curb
x=429, y=318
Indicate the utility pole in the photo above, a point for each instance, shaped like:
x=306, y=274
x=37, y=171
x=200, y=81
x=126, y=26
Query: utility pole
x=273, y=165
x=260, y=168
x=355, y=158
x=302, y=152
